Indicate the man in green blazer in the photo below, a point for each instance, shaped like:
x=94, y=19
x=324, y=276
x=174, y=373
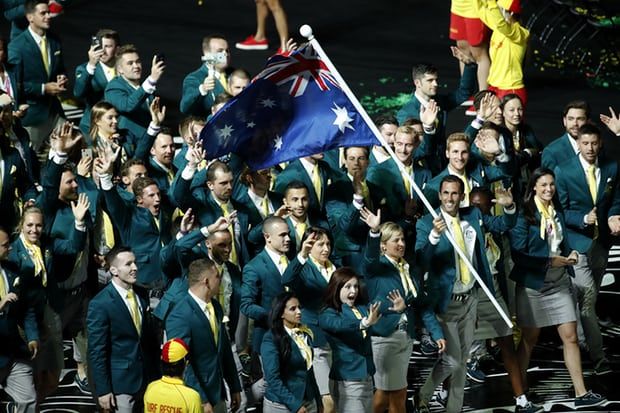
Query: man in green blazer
x=575, y=115
x=39, y=66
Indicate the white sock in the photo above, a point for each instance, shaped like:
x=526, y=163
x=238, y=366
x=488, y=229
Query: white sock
x=443, y=393
x=521, y=400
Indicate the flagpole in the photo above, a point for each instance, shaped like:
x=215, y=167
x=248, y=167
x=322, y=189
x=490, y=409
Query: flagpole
x=306, y=31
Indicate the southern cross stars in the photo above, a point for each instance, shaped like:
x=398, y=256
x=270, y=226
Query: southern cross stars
x=277, y=143
x=267, y=103
x=343, y=121
x=225, y=132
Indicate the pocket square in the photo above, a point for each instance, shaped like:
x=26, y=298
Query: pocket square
x=13, y=169
x=57, y=53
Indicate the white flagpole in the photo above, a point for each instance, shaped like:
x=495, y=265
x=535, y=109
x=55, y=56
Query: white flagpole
x=306, y=31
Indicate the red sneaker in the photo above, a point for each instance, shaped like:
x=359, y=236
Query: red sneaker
x=471, y=111
x=468, y=102
x=55, y=8
x=250, y=43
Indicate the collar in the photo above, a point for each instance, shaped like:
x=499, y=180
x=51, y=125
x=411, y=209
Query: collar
x=172, y=380
x=275, y=256
x=37, y=38
x=453, y=172
x=121, y=290
x=573, y=143
x=161, y=165
x=255, y=198
x=422, y=100
x=201, y=303
x=308, y=166
x=447, y=217
x=584, y=164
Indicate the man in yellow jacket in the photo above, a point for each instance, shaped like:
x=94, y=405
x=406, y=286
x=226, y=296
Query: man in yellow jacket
x=169, y=394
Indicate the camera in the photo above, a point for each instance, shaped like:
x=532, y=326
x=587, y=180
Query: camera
x=160, y=57
x=96, y=42
x=213, y=59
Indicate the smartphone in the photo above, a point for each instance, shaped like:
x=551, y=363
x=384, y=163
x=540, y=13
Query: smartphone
x=95, y=41
x=87, y=152
x=160, y=57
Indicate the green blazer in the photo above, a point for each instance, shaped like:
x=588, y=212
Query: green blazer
x=90, y=89
x=25, y=56
x=556, y=151
x=574, y=195
x=131, y=103
x=192, y=102
x=14, y=179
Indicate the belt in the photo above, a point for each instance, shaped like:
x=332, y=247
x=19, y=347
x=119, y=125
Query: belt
x=461, y=297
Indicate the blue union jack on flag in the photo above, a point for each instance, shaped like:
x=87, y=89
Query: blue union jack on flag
x=294, y=107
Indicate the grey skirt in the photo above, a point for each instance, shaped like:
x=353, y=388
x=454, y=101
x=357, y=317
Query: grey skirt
x=352, y=396
x=391, y=356
x=321, y=363
x=552, y=305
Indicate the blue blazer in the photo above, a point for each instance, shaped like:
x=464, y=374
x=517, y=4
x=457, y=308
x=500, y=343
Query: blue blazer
x=118, y=357
x=131, y=103
x=19, y=314
x=261, y=284
x=310, y=286
x=381, y=278
x=288, y=381
x=137, y=228
x=439, y=259
x=557, y=151
x=25, y=56
x=351, y=351
x=574, y=195
x=209, y=363
x=192, y=102
x=531, y=254
x=90, y=89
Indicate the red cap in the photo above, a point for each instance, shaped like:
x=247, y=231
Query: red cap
x=174, y=350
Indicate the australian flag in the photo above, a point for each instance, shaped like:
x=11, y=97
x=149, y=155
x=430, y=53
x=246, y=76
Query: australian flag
x=293, y=108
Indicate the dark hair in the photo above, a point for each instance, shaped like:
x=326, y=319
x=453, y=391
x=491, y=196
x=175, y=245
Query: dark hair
x=173, y=369
x=365, y=148
x=125, y=49
x=339, y=278
x=577, y=104
x=272, y=220
x=165, y=130
x=295, y=185
x=386, y=119
x=31, y=5
x=490, y=126
x=109, y=34
x=454, y=179
x=217, y=166
x=481, y=94
x=420, y=69
x=507, y=98
x=206, y=41
x=186, y=121
x=140, y=183
x=114, y=252
x=529, y=205
x=411, y=122
x=589, y=129
x=319, y=231
x=223, y=97
x=240, y=73
x=129, y=163
x=280, y=336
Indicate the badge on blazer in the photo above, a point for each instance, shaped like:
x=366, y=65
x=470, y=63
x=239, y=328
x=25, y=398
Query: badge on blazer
x=470, y=234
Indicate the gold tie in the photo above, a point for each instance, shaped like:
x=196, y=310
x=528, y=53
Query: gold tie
x=108, y=230
x=283, y=262
x=170, y=176
x=300, y=230
x=3, y=287
x=265, y=206
x=466, y=187
x=497, y=208
x=592, y=182
x=306, y=351
x=460, y=241
x=135, y=311
x=359, y=316
x=231, y=228
x=112, y=71
x=406, y=175
x=222, y=78
x=37, y=259
x=366, y=194
x=547, y=218
x=212, y=321
x=316, y=181
x=405, y=279
x=44, y=54
x=493, y=251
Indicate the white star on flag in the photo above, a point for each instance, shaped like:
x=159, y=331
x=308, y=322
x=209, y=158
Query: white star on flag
x=250, y=124
x=267, y=103
x=225, y=132
x=277, y=143
x=343, y=121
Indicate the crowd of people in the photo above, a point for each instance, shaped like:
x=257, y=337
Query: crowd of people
x=300, y=287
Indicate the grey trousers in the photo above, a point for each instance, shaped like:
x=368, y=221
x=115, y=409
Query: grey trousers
x=589, y=272
x=458, y=325
x=274, y=407
x=16, y=378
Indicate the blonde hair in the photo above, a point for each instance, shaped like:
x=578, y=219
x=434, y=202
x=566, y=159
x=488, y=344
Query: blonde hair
x=457, y=137
x=96, y=113
x=389, y=230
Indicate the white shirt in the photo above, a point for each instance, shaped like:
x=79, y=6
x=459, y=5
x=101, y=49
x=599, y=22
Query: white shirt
x=597, y=171
x=123, y=293
x=573, y=143
x=275, y=258
x=201, y=303
x=38, y=39
x=258, y=202
x=308, y=166
x=465, y=202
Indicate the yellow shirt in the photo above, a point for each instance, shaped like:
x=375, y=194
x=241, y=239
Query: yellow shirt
x=170, y=395
x=506, y=49
x=464, y=8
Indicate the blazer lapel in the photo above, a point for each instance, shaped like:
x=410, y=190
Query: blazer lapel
x=120, y=303
x=36, y=51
